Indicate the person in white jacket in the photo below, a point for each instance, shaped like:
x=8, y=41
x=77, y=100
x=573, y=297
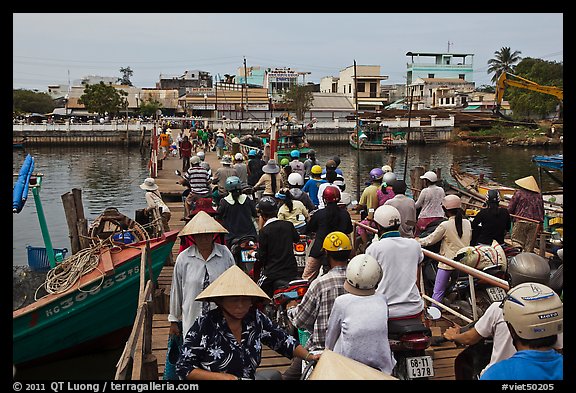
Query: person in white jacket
x=195, y=268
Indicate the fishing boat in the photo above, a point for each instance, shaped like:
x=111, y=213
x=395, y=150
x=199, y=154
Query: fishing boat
x=292, y=136
x=93, y=309
x=374, y=135
x=479, y=185
x=289, y=136
x=18, y=143
x=475, y=187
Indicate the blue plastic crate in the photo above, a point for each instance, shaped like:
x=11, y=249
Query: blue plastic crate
x=38, y=258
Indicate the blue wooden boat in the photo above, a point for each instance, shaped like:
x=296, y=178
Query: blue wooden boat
x=20, y=190
x=555, y=161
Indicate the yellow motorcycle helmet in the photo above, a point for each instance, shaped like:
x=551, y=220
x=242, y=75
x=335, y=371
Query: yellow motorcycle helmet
x=336, y=241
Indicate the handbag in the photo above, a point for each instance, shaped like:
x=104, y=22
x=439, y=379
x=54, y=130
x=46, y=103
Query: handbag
x=172, y=355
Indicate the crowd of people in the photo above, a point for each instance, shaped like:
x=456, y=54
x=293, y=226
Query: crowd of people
x=216, y=309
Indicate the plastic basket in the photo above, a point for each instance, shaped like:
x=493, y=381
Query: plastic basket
x=38, y=258
x=303, y=336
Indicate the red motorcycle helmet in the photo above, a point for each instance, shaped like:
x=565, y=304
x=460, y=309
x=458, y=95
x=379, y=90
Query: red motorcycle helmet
x=331, y=194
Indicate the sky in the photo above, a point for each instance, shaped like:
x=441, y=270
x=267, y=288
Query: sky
x=60, y=48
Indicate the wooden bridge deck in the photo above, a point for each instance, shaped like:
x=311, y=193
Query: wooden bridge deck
x=443, y=355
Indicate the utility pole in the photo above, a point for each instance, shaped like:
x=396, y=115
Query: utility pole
x=245, y=87
x=357, y=135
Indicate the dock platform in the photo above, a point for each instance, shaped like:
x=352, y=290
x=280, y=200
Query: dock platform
x=443, y=355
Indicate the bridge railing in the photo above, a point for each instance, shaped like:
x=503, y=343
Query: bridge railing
x=472, y=273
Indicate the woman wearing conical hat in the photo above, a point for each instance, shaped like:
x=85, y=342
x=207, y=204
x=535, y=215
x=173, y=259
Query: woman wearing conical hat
x=226, y=343
x=196, y=267
x=527, y=203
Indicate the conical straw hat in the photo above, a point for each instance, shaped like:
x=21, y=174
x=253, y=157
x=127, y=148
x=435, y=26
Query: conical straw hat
x=528, y=183
x=233, y=282
x=202, y=222
x=334, y=366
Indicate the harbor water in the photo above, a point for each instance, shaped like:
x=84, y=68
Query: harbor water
x=110, y=177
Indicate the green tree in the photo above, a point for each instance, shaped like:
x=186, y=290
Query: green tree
x=28, y=101
x=126, y=75
x=486, y=89
x=503, y=61
x=531, y=104
x=102, y=98
x=149, y=107
x=298, y=100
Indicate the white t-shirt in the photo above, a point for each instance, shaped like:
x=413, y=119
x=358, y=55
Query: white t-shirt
x=358, y=329
x=399, y=258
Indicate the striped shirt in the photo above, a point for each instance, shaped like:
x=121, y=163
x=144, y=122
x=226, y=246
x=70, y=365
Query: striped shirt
x=199, y=179
x=314, y=310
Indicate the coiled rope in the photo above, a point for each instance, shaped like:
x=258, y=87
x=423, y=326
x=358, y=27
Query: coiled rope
x=68, y=272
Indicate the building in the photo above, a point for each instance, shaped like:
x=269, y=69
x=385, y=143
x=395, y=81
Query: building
x=440, y=93
x=439, y=65
x=185, y=82
x=368, y=79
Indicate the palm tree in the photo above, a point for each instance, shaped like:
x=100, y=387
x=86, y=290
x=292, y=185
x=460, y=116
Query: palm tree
x=503, y=62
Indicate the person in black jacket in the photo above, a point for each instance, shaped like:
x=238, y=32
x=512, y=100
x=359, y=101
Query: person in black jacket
x=276, y=264
x=492, y=222
x=329, y=219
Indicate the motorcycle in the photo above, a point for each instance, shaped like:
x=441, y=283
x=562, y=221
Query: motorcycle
x=245, y=251
x=300, y=251
x=276, y=310
x=409, y=338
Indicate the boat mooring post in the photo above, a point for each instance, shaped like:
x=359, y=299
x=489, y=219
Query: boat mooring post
x=42, y=220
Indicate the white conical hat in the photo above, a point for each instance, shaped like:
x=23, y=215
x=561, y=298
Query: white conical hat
x=334, y=366
x=202, y=222
x=528, y=183
x=233, y=282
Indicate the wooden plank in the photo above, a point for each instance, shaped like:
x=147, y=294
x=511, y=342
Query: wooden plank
x=450, y=353
x=107, y=263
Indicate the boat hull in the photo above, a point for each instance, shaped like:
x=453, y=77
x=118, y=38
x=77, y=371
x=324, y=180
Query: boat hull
x=102, y=305
x=386, y=145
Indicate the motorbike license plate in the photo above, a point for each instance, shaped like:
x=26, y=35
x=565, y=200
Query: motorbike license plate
x=496, y=294
x=300, y=261
x=246, y=257
x=419, y=367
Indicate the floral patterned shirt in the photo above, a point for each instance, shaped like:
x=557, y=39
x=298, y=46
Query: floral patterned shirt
x=210, y=345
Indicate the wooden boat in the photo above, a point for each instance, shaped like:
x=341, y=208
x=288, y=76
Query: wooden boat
x=479, y=185
x=99, y=307
x=290, y=136
x=374, y=135
x=18, y=143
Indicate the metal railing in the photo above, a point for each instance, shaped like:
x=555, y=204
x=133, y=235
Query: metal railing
x=472, y=273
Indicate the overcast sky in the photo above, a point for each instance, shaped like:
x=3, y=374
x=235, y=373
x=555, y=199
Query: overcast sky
x=60, y=47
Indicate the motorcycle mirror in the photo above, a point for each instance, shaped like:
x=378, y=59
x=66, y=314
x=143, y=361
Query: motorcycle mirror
x=433, y=313
x=177, y=172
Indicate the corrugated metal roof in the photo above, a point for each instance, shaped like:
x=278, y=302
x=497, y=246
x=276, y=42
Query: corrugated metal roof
x=334, y=101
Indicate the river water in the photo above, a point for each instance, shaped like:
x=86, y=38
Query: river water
x=110, y=177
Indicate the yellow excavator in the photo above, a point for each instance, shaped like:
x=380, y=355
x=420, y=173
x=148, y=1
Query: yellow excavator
x=517, y=81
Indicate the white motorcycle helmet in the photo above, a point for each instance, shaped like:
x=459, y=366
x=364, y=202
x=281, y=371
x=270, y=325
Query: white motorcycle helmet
x=295, y=179
x=363, y=274
x=534, y=311
x=387, y=216
x=389, y=177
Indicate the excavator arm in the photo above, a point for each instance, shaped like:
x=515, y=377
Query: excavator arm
x=523, y=83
